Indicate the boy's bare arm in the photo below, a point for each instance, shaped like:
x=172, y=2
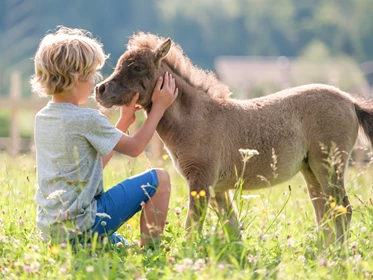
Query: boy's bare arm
x=126, y=118
x=163, y=97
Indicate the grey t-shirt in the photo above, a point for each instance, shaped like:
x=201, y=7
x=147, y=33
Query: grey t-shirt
x=70, y=143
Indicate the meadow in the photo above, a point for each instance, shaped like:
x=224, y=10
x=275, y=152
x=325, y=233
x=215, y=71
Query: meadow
x=279, y=235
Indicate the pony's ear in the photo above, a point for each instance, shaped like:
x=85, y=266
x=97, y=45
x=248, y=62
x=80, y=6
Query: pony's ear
x=163, y=50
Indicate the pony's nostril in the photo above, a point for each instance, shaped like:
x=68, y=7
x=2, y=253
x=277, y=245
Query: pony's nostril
x=101, y=89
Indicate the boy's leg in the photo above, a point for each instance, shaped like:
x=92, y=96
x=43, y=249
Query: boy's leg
x=154, y=214
x=121, y=202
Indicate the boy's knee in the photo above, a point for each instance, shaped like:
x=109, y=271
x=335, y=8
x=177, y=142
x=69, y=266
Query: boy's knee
x=163, y=179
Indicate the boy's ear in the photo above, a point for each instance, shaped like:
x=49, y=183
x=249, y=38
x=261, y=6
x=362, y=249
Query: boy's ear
x=163, y=50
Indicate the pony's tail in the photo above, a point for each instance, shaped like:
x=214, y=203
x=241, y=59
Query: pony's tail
x=364, y=112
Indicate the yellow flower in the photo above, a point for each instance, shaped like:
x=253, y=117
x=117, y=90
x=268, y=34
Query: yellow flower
x=263, y=211
x=54, y=250
x=202, y=193
x=341, y=209
x=132, y=222
x=333, y=204
x=331, y=198
x=165, y=156
x=193, y=193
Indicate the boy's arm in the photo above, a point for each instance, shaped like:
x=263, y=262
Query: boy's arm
x=126, y=118
x=164, y=95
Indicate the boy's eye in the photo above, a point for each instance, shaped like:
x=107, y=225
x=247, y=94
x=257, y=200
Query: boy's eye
x=137, y=68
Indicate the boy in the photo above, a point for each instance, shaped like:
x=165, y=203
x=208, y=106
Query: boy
x=74, y=144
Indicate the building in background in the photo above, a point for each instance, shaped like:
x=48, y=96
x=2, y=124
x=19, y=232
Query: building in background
x=254, y=76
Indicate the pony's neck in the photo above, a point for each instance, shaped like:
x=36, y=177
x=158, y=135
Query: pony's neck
x=188, y=94
x=189, y=103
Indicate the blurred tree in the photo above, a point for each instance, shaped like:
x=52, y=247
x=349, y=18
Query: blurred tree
x=317, y=65
x=203, y=28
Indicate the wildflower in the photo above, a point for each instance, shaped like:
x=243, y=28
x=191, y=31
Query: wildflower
x=89, y=268
x=264, y=237
x=165, y=156
x=247, y=154
x=198, y=265
x=354, y=245
x=132, y=222
x=177, y=211
x=193, y=193
x=27, y=268
x=250, y=196
x=331, y=198
x=341, y=209
x=4, y=270
x=291, y=242
x=363, y=229
x=54, y=250
x=333, y=204
x=181, y=268
x=251, y=258
x=103, y=223
x=103, y=215
x=302, y=258
x=36, y=248
x=202, y=193
x=21, y=223
x=170, y=259
x=35, y=266
x=55, y=194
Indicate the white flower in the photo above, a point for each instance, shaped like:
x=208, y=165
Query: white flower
x=55, y=194
x=90, y=268
x=177, y=211
x=248, y=153
x=250, y=196
x=103, y=215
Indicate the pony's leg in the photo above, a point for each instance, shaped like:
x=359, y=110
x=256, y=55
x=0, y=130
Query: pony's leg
x=317, y=196
x=226, y=208
x=198, y=203
x=331, y=179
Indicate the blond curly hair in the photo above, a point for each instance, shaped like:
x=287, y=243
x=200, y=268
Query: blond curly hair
x=65, y=57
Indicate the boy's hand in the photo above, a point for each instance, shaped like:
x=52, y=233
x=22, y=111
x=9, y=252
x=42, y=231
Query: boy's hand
x=127, y=112
x=164, y=94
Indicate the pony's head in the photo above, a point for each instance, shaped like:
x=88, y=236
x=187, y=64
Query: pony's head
x=137, y=71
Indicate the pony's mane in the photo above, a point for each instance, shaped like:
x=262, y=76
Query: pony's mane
x=202, y=79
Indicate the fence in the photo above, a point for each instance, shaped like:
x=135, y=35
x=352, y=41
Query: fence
x=15, y=144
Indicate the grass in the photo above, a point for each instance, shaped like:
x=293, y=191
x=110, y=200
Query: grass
x=280, y=240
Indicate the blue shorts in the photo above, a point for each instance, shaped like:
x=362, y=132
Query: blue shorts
x=118, y=204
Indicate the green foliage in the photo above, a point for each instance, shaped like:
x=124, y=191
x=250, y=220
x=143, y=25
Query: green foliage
x=205, y=29
x=279, y=237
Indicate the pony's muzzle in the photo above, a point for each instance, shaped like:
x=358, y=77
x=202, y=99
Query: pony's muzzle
x=100, y=89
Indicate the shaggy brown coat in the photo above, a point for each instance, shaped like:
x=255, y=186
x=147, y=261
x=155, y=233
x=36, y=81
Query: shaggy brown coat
x=204, y=129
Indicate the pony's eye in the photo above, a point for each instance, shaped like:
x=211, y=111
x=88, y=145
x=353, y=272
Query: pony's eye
x=137, y=68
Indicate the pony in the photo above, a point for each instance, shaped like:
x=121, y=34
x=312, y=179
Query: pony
x=206, y=132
